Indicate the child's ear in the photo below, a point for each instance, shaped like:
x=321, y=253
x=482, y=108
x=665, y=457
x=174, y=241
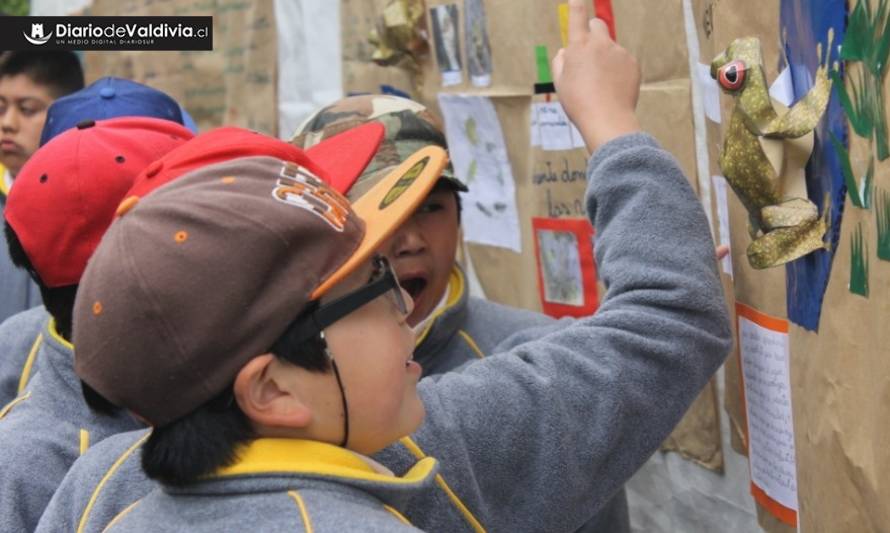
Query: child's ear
x=264, y=397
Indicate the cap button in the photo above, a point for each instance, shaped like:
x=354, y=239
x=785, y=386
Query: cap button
x=153, y=169
x=84, y=124
x=106, y=92
x=126, y=205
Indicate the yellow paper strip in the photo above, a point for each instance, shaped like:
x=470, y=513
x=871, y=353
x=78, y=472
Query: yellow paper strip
x=564, y=23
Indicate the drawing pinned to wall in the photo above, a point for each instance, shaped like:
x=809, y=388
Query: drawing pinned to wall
x=477, y=45
x=882, y=214
x=867, y=44
x=566, y=267
x=858, y=262
x=446, y=36
x=764, y=153
x=399, y=35
x=479, y=156
x=805, y=25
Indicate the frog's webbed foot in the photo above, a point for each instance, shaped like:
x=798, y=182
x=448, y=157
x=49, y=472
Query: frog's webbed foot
x=787, y=243
x=790, y=213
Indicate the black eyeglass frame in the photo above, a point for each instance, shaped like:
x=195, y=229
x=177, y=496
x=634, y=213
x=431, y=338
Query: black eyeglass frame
x=313, y=322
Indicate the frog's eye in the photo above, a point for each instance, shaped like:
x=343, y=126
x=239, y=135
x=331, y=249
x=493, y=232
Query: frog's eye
x=732, y=75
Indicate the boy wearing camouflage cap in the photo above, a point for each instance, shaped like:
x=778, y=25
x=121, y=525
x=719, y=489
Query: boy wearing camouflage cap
x=535, y=438
x=453, y=328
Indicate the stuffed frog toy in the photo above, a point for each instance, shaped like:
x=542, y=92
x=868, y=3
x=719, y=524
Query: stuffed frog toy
x=764, y=154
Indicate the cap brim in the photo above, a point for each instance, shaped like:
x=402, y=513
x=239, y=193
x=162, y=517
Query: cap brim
x=389, y=204
x=345, y=156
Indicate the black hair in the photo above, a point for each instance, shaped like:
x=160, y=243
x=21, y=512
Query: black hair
x=446, y=185
x=205, y=440
x=58, y=71
x=59, y=301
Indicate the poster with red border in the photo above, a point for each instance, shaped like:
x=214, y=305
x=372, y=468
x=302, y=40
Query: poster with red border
x=566, y=266
x=766, y=395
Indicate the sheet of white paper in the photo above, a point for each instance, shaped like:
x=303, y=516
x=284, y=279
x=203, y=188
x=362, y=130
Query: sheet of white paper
x=782, y=89
x=556, y=131
x=452, y=77
x=723, y=220
x=764, y=355
x=535, y=129
x=479, y=156
x=710, y=92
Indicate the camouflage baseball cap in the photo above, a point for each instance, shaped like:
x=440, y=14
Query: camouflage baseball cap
x=409, y=127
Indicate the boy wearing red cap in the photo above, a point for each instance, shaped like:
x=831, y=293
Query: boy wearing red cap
x=63, y=201
x=103, y=99
x=29, y=82
x=528, y=440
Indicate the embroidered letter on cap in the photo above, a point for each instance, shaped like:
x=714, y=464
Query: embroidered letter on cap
x=299, y=187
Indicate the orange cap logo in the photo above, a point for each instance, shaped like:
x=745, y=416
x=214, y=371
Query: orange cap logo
x=299, y=187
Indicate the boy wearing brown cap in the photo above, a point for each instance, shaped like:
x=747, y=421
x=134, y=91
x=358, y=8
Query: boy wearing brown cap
x=535, y=438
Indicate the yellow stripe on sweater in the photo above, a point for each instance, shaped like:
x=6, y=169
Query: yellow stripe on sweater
x=120, y=515
x=29, y=363
x=303, y=513
x=84, y=441
x=471, y=343
x=93, y=497
x=468, y=516
x=10, y=405
x=398, y=515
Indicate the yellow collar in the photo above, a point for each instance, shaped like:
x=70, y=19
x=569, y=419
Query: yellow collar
x=297, y=456
x=54, y=333
x=455, y=289
x=4, y=187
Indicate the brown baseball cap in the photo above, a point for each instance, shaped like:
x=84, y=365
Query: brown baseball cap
x=193, y=280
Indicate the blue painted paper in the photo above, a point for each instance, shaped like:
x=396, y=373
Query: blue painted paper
x=806, y=23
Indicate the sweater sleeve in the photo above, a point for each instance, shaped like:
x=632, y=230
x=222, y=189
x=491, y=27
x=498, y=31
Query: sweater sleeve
x=539, y=437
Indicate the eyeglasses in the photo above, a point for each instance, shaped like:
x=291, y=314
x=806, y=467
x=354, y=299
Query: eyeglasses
x=307, y=325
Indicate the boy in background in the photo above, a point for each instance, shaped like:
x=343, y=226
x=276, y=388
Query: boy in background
x=29, y=83
x=106, y=98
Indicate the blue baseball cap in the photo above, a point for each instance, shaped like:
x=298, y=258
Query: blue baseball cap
x=108, y=98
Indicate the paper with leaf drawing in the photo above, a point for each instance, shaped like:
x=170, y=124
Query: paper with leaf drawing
x=479, y=155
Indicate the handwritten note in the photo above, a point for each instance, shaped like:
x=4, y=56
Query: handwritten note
x=763, y=345
x=554, y=129
x=479, y=156
x=723, y=219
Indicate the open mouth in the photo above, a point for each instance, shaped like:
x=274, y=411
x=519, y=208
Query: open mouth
x=414, y=286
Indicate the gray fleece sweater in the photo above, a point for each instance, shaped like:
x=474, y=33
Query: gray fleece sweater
x=43, y=431
x=535, y=438
x=20, y=340
x=18, y=292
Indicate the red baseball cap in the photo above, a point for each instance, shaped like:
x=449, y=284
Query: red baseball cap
x=338, y=163
x=65, y=196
